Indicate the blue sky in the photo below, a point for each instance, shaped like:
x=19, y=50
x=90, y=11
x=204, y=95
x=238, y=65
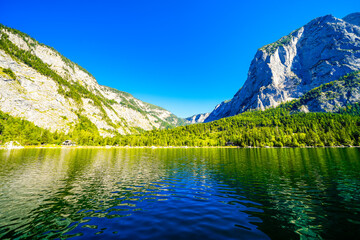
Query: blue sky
x=185, y=56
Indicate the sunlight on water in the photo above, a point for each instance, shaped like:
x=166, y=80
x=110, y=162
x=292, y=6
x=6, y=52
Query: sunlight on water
x=180, y=193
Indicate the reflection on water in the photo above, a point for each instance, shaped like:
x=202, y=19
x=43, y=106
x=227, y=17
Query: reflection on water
x=180, y=193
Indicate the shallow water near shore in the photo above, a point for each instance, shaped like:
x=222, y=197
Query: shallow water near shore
x=204, y=193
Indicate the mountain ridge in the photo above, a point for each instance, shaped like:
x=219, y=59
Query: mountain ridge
x=51, y=91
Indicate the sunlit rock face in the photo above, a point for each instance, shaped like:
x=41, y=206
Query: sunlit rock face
x=35, y=96
x=319, y=52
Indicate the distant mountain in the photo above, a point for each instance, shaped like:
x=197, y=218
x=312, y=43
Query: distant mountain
x=198, y=118
x=38, y=84
x=323, y=50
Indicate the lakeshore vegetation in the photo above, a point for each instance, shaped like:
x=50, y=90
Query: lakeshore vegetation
x=275, y=127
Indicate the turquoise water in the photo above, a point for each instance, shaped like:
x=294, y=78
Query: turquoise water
x=180, y=193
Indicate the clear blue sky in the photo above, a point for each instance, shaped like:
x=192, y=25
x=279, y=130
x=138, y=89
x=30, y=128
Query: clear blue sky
x=185, y=56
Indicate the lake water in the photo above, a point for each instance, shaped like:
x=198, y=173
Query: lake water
x=180, y=193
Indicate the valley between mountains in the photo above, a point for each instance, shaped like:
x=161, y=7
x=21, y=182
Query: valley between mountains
x=303, y=90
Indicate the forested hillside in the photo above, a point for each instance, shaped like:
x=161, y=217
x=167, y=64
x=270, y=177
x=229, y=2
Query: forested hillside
x=275, y=127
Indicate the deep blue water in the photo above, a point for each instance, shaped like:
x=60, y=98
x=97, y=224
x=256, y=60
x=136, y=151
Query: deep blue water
x=180, y=193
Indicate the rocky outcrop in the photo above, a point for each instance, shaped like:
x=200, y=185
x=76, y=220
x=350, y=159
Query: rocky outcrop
x=330, y=97
x=51, y=91
x=198, y=118
x=319, y=52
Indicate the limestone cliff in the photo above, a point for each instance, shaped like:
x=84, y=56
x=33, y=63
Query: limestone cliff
x=38, y=84
x=319, y=52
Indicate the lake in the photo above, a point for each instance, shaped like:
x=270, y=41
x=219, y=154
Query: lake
x=194, y=193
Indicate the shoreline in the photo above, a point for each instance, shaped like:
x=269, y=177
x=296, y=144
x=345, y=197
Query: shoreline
x=165, y=147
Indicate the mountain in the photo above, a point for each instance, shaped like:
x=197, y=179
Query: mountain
x=38, y=84
x=198, y=118
x=323, y=50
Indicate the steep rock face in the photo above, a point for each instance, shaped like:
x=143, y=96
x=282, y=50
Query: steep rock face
x=198, y=118
x=51, y=91
x=319, y=52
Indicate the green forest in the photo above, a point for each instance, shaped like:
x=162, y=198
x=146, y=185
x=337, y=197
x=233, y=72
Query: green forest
x=275, y=127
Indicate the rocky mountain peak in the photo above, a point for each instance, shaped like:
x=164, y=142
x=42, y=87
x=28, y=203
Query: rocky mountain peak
x=321, y=51
x=353, y=18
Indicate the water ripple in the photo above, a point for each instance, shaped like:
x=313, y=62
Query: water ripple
x=171, y=194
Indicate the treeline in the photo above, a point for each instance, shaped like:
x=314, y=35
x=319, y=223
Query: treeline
x=25, y=132
x=275, y=127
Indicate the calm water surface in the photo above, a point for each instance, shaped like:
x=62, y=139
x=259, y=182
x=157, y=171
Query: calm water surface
x=180, y=193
